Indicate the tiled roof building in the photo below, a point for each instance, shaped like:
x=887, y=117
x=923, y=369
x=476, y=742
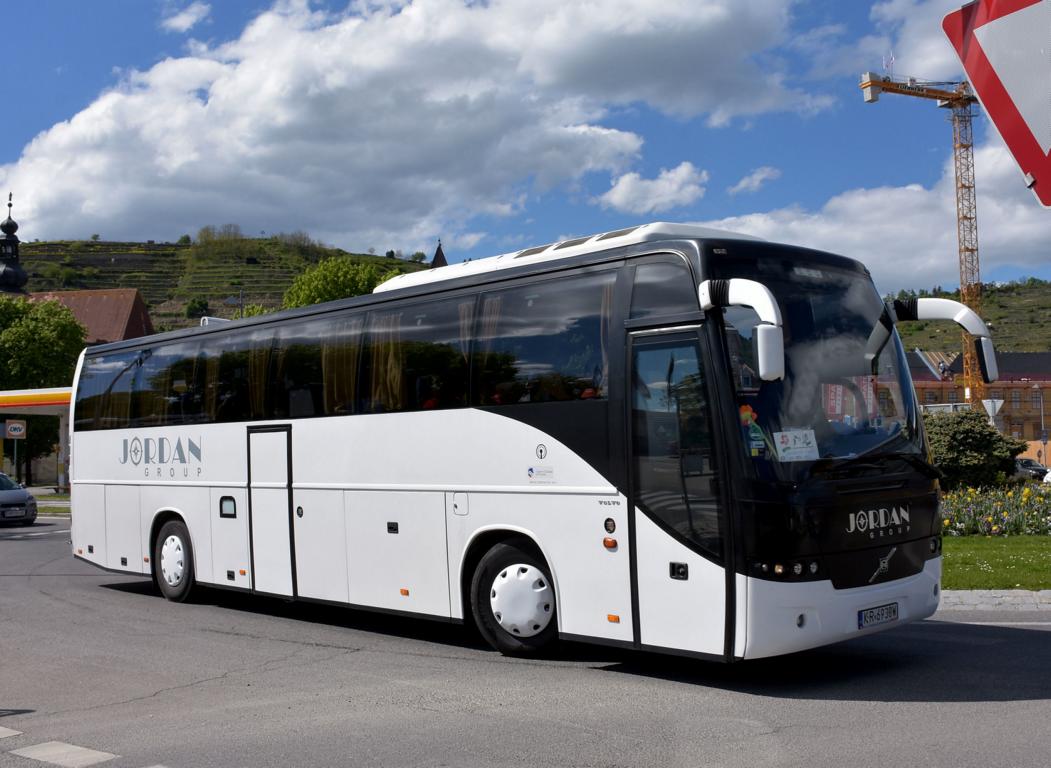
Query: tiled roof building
x=111, y=314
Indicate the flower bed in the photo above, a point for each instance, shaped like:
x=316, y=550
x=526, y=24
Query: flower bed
x=1008, y=511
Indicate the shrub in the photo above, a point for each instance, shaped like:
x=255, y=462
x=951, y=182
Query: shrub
x=969, y=450
x=197, y=307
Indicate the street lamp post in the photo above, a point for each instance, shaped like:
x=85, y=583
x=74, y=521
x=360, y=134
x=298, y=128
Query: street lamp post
x=1043, y=429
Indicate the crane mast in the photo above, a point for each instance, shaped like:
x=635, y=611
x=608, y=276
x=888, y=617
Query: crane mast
x=958, y=97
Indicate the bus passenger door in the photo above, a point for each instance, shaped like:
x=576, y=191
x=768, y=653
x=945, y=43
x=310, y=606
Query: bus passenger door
x=269, y=509
x=679, y=517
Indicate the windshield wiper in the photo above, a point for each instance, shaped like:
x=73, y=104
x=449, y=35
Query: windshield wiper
x=922, y=464
x=869, y=461
x=843, y=464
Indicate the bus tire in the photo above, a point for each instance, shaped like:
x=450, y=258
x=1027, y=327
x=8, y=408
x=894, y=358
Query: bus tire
x=513, y=601
x=173, y=561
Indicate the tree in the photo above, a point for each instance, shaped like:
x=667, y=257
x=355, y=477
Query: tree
x=94, y=238
x=253, y=310
x=419, y=257
x=969, y=450
x=39, y=345
x=184, y=240
x=197, y=307
x=336, y=278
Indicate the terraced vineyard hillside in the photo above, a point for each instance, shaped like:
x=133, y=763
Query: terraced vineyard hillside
x=223, y=272
x=1019, y=315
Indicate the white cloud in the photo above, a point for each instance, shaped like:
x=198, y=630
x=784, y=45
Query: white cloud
x=907, y=235
x=187, y=18
x=673, y=188
x=754, y=181
x=920, y=47
x=391, y=122
x=906, y=36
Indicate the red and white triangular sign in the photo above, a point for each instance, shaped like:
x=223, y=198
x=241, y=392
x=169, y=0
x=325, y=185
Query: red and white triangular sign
x=1005, y=47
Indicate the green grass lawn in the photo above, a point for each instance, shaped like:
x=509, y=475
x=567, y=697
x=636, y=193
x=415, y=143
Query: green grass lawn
x=1005, y=562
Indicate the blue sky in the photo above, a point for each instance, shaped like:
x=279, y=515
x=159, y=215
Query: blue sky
x=498, y=125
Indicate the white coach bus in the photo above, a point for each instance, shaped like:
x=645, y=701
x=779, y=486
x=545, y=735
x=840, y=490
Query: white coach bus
x=664, y=437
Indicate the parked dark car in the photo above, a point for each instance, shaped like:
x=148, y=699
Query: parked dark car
x=17, y=505
x=1028, y=469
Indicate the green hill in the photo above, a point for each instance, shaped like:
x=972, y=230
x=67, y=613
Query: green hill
x=1019, y=315
x=222, y=270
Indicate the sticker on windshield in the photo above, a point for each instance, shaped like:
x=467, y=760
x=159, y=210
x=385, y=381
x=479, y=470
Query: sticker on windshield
x=796, y=445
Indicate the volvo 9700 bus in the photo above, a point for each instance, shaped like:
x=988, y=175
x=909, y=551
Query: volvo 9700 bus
x=664, y=437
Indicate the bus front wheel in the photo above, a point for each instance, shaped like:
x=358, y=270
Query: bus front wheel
x=173, y=561
x=513, y=601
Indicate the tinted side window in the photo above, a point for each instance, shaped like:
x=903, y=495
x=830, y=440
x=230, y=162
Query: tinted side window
x=169, y=386
x=663, y=288
x=545, y=341
x=315, y=368
x=104, y=391
x=675, y=461
x=417, y=356
x=236, y=375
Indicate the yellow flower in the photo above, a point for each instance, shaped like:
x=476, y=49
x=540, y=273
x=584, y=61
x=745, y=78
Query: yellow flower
x=1010, y=494
x=996, y=528
x=945, y=522
x=989, y=519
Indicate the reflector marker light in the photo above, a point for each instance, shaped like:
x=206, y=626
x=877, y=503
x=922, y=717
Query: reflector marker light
x=613, y=618
x=609, y=543
x=145, y=559
x=404, y=592
x=243, y=572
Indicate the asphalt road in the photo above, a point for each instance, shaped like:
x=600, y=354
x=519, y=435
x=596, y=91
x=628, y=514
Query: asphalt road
x=101, y=662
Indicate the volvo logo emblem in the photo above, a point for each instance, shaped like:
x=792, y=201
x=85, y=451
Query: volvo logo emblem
x=884, y=565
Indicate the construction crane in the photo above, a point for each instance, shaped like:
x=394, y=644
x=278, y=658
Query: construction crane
x=958, y=97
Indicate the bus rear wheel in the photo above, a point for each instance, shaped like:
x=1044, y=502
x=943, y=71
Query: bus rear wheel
x=173, y=561
x=513, y=601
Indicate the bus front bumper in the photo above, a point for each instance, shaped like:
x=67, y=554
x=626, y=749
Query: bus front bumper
x=786, y=617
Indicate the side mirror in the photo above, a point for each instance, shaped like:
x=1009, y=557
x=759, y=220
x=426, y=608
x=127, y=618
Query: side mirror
x=769, y=338
x=962, y=315
x=770, y=349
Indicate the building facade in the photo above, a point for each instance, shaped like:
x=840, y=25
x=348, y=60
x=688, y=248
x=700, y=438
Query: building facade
x=1024, y=388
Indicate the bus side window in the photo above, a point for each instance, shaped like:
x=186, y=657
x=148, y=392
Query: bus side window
x=663, y=288
x=417, y=357
x=237, y=378
x=166, y=388
x=315, y=367
x=104, y=391
x=545, y=341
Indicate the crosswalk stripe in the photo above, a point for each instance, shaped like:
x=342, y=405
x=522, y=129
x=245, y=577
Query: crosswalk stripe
x=5, y=732
x=62, y=754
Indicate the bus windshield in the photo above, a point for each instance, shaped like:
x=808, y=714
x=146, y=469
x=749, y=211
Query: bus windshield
x=846, y=390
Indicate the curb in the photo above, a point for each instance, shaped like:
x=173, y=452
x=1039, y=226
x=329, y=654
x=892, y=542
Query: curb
x=995, y=600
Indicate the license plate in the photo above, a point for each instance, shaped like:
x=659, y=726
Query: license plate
x=14, y=513
x=881, y=614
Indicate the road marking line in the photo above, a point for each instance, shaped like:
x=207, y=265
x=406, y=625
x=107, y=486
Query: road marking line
x=6, y=732
x=34, y=533
x=65, y=755
x=1005, y=623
